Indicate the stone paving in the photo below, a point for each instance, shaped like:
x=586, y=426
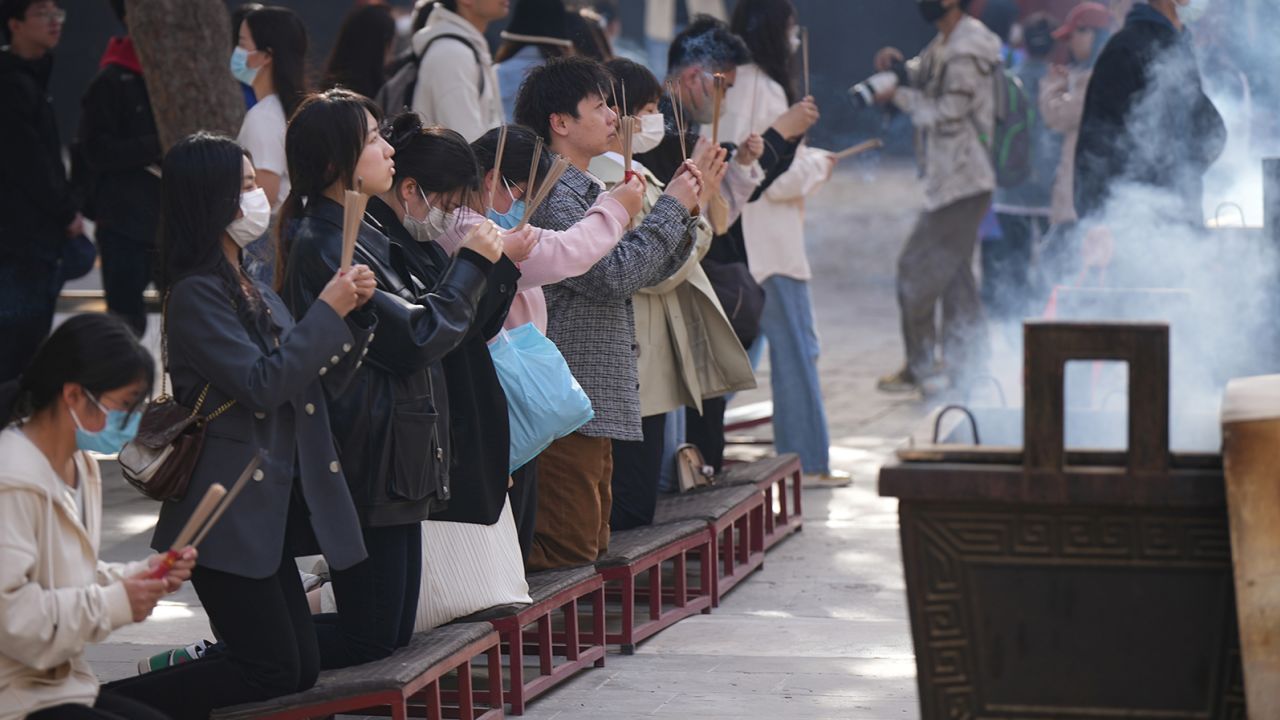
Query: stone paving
x=821, y=631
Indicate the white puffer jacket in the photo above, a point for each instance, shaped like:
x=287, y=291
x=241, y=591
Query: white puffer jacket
x=55, y=595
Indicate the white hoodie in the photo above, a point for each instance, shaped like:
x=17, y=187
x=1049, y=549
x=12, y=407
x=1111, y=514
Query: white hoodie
x=56, y=597
x=448, y=89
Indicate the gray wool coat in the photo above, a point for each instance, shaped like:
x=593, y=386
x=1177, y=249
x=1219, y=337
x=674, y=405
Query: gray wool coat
x=279, y=408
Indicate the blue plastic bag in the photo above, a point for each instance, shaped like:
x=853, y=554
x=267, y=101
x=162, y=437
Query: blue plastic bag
x=544, y=400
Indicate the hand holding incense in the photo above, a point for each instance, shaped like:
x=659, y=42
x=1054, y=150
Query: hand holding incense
x=215, y=502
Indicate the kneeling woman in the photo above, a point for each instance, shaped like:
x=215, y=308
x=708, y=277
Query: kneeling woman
x=83, y=391
x=392, y=421
x=237, y=356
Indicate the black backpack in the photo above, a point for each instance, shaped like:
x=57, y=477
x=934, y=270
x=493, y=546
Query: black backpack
x=1011, y=147
x=396, y=93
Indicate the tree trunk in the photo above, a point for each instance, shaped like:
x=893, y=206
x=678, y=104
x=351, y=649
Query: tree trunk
x=185, y=50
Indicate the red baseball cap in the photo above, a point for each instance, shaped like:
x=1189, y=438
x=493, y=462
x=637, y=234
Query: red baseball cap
x=1092, y=15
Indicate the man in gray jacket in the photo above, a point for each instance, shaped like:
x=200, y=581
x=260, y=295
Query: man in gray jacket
x=949, y=92
x=590, y=317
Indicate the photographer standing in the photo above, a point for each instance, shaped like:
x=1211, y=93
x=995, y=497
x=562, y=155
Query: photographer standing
x=949, y=92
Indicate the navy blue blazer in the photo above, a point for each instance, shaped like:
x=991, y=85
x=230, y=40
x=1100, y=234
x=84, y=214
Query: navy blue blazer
x=279, y=393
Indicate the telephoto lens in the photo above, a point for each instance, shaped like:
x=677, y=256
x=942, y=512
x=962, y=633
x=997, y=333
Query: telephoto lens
x=863, y=95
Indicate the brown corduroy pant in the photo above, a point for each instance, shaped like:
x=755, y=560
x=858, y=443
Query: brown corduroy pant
x=574, y=500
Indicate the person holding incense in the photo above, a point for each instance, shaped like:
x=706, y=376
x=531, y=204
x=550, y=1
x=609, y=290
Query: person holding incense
x=259, y=376
x=556, y=255
x=688, y=348
x=471, y=557
x=392, y=421
x=590, y=317
x=773, y=236
x=83, y=392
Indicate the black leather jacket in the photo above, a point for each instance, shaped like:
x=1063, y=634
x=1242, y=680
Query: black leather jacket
x=391, y=424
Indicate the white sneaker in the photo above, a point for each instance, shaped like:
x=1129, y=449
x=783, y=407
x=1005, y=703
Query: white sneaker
x=829, y=479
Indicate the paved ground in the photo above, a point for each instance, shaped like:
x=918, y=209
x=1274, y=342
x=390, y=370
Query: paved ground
x=821, y=631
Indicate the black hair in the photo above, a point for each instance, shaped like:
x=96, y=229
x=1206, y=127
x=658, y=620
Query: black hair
x=587, y=33
x=538, y=18
x=322, y=146
x=607, y=10
x=517, y=155
x=199, y=198
x=359, y=55
x=557, y=87
x=762, y=25
x=117, y=7
x=95, y=350
x=999, y=17
x=13, y=10
x=238, y=14
x=707, y=42
x=438, y=159
x=281, y=31
x=641, y=86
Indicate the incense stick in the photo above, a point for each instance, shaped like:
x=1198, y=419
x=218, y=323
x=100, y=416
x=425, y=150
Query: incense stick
x=548, y=184
x=533, y=168
x=230, y=498
x=497, y=164
x=626, y=130
x=208, y=503
x=858, y=149
x=755, y=87
x=804, y=50
x=677, y=110
x=718, y=83
x=353, y=205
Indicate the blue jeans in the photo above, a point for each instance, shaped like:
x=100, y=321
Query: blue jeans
x=799, y=418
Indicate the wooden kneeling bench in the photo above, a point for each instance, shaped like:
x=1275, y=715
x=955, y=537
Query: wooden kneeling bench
x=735, y=516
x=779, y=478
x=643, y=551
x=387, y=686
x=561, y=654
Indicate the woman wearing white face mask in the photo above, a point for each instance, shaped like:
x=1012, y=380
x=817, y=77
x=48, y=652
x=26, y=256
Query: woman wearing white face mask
x=687, y=347
x=235, y=353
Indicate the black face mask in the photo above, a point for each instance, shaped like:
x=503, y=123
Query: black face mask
x=931, y=10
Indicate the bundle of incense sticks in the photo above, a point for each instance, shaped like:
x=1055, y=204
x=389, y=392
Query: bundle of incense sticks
x=804, y=51
x=215, y=502
x=497, y=164
x=858, y=149
x=626, y=133
x=353, y=204
x=677, y=109
x=548, y=184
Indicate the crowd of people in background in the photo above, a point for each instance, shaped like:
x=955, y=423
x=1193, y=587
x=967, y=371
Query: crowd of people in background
x=372, y=390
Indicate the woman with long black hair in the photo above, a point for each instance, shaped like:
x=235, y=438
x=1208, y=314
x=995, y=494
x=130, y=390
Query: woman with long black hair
x=270, y=58
x=82, y=392
x=773, y=232
x=392, y=421
x=236, y=355
x=363, y=50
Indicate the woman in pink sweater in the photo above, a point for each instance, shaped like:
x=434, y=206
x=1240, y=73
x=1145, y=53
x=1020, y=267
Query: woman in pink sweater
x=555, y=255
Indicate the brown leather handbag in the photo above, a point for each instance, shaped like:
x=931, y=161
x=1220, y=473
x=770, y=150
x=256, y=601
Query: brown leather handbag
x=692, y=470
x=160, y=459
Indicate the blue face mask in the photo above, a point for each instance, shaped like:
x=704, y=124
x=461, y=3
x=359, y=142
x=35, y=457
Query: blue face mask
x=240, y=66
x=120, y=428
x=510, y=218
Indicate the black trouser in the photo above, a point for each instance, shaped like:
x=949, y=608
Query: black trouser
x=377, y=599
x=636, y=466
x=1008, y=288
x=28, y=294
x=269, y=647
x=707, y=430
x=524, y=504
x=108, y=706
x=126, y=272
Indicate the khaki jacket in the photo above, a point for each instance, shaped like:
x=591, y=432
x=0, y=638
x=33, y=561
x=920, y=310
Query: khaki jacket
x=687, y=350
x=56, y=597
x=951, y=101
x=1062, y=105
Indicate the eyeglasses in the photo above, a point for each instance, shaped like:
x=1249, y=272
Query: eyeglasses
x=126, y=416
x=56, y=16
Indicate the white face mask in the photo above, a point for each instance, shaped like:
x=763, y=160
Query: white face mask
x=255, y=216
x=653, y=127
x=435, y=224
